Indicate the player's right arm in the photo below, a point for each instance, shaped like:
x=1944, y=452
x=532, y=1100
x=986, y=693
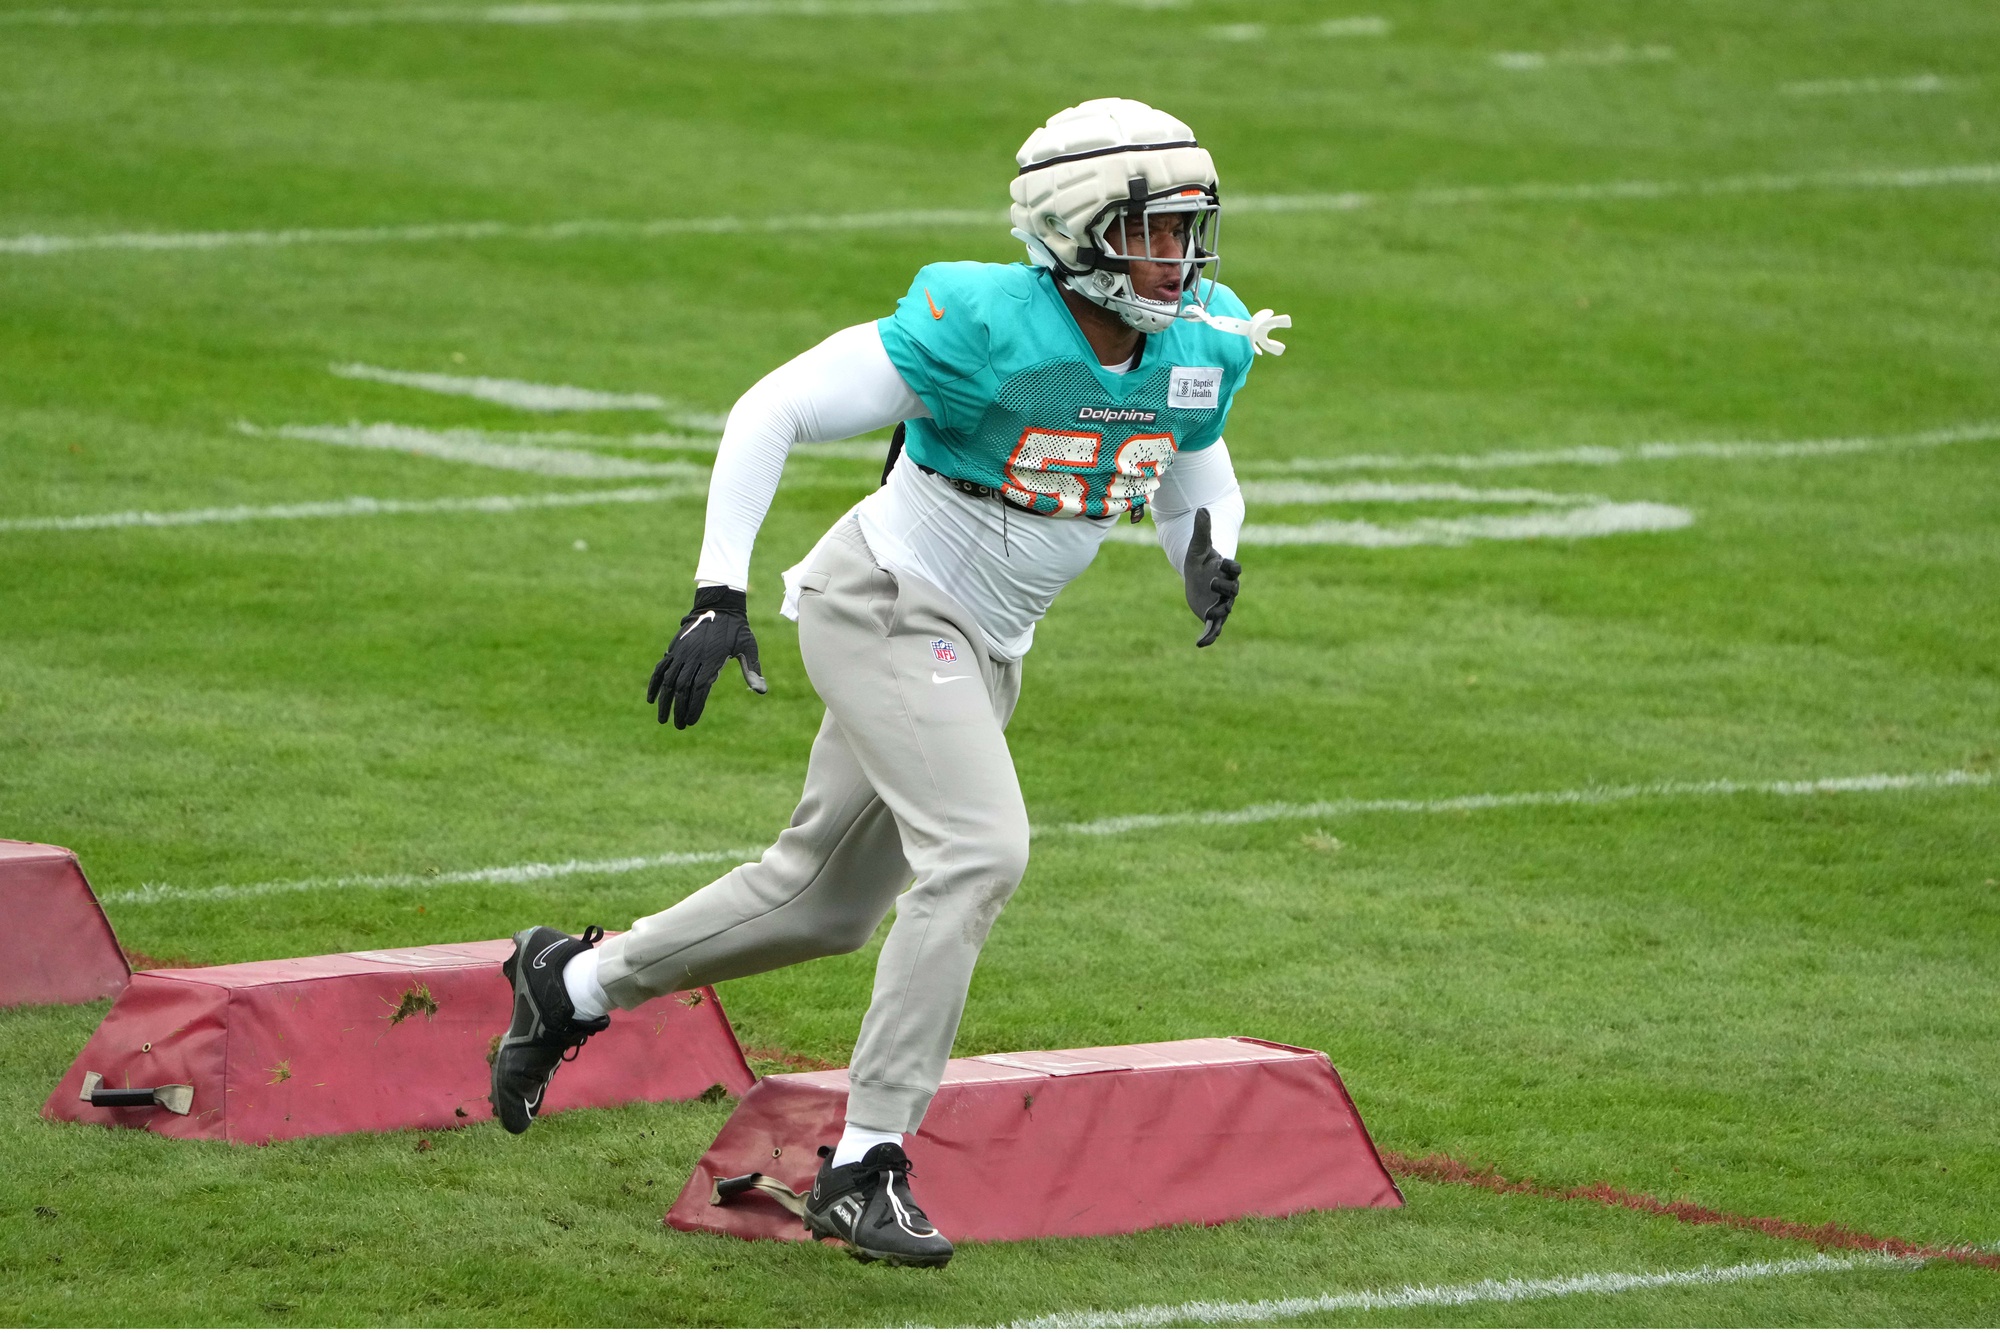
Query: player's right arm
x=846, y=386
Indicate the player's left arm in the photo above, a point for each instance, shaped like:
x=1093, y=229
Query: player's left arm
x=1198, y=512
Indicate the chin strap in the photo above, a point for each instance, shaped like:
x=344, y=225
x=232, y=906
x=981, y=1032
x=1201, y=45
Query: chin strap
x=1038, y=252
x=1257, y=328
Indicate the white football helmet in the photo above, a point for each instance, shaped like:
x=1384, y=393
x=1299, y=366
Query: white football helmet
x=1091, y=182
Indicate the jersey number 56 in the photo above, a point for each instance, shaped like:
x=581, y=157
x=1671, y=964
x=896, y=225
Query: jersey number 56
x=1064, y=466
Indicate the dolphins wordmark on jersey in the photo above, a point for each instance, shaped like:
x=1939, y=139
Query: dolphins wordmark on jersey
x=1019, y=402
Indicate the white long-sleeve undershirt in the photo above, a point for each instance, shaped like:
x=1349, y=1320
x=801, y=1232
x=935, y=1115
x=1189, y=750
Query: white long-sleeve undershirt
x=848, y=386
x=844, y=387
x=1200, y=479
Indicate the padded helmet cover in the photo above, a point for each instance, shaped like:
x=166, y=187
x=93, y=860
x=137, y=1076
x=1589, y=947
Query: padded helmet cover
x=1093, y=152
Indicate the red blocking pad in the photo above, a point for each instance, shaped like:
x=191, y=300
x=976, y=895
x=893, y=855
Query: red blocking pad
x=375, y=1040
x=1074, y=1143
x=57, y=948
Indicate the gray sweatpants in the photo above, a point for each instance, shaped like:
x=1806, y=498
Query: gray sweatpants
x=910, y=778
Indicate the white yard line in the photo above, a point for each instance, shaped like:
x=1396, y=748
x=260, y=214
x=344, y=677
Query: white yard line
x=1606, y=519
x=1365, y=25
x=1389, y=492
x=531, y=397
x=531, y=15
x=1602, y=520
x=1273, y=534
x=1358, y=25
x=1903, y=178
x=570, y=439
x=521, y=394
x=1491, y=1290
x=898, y=220
x=1119, y=825
x=864, y=449
x=529, y=873
x=1613, y=455
x=1912, y=178
x=358, y=506
x=1616, y=54
x=438, y=445
x=1578, y=796
x=468, y=447
x=1914, y=83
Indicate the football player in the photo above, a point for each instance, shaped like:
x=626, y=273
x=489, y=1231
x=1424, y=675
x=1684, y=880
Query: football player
x=1040, y=404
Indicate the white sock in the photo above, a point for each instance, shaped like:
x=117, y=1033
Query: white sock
x=586, y=996
x=857, y=1140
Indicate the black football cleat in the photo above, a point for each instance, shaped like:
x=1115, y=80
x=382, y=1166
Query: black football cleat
x=545, y=1031
x=867, y=1205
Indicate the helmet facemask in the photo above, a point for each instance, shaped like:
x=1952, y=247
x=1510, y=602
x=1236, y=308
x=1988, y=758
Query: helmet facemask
x=1175, y=228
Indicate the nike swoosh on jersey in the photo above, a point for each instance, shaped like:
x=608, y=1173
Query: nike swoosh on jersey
x=936, y=679
x=935, y=312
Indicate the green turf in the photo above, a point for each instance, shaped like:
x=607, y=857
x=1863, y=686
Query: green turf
x=1769, y=1005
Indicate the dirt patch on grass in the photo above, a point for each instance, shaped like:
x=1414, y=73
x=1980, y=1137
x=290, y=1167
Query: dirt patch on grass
x=1442, y=1170
x=767, y=1060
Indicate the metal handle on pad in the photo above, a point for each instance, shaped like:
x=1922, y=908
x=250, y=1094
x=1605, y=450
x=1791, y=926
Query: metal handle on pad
x=175, y=1097
x=729, y=1188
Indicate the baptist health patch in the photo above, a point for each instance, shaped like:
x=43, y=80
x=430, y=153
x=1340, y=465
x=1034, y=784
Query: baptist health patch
x=944, y=650
x=1196, y=387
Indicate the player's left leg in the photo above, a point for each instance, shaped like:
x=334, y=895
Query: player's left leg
x=924, y=707
x=821, y=888
x=931, y=739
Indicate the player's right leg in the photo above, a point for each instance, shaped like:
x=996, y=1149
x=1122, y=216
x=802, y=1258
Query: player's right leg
x=820, y=889
x=545, y=1028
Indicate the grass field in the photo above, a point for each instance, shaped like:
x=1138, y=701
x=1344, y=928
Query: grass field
x=1775, y=226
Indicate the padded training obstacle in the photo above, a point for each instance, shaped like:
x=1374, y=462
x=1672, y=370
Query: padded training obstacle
x=1073, y=1143
x=382, y=1039
x=57, y=948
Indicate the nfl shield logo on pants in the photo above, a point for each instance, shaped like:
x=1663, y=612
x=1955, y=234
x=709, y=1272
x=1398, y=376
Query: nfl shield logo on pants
x=944, y=650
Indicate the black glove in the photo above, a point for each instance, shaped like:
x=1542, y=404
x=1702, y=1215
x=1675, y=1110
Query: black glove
x=1212, y=580
x=716, y=630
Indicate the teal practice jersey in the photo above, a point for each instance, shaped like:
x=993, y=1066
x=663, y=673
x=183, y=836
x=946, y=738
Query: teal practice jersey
x=1019, y=402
